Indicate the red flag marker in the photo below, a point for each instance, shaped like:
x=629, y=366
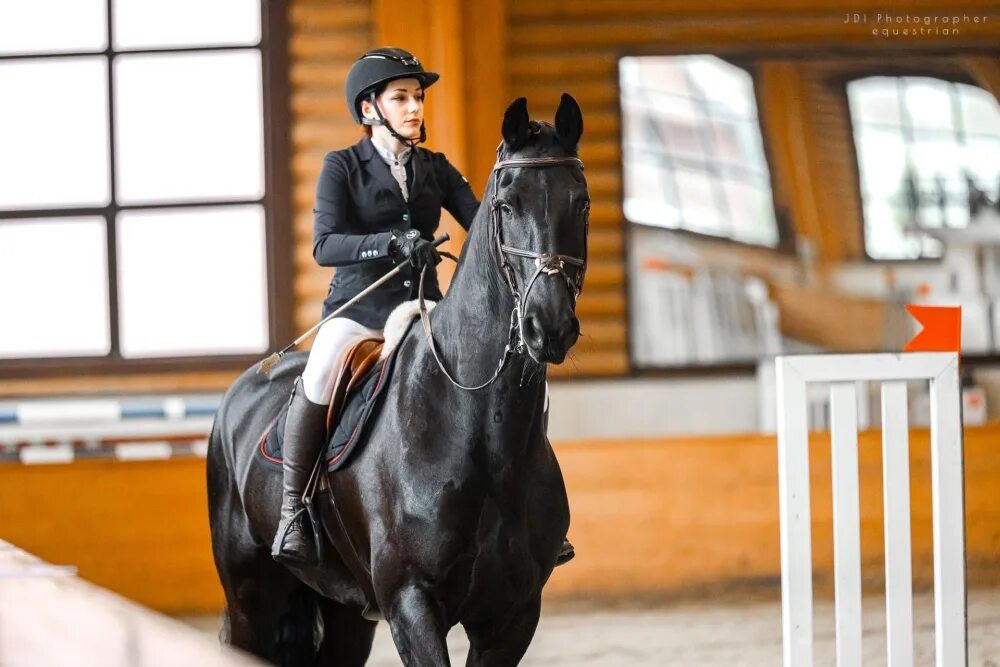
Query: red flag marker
x=942, y=330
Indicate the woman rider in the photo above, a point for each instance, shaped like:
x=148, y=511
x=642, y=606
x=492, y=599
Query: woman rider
x=378, y=204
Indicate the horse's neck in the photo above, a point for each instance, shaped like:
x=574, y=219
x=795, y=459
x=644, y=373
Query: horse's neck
x=472, y=328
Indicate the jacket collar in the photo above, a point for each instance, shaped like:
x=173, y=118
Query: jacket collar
x=366, y=151
x=365, y=148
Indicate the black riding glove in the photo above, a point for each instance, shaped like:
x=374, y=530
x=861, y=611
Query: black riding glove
x=411, y=246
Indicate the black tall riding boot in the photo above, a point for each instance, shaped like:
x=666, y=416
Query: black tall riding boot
x=305, y=434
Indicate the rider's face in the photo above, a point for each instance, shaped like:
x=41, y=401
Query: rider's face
x=402, y=105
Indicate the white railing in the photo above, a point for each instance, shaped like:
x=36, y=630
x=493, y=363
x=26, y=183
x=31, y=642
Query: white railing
x=841, y=372
x=685, y=316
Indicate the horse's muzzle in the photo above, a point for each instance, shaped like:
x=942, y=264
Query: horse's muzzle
x=549, y=343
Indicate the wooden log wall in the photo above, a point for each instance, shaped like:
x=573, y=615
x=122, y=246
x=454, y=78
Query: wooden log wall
x=491, y=52
x=326, y=38
x=574, y=45
x=650, y=518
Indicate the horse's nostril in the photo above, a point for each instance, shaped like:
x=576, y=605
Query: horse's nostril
x=532, y=331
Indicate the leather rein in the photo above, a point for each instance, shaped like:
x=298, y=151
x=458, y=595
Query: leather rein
x=549, y=264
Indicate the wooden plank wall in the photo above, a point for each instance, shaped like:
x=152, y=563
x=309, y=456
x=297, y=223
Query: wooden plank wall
x=650, y=518
x=574, y=45
x=489, y=53
x=326, y=38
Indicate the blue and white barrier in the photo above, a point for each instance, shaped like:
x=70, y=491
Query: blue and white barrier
x=129, y=429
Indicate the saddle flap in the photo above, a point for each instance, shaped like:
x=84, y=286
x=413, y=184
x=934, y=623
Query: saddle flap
x=359, y=360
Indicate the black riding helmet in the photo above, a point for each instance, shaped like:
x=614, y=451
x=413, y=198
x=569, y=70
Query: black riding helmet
x=375, y=69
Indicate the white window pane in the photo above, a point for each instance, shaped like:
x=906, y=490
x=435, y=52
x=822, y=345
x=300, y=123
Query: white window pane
x=165, y=23
x=701, y=212
x=928, y=102
x=980, y=111
x=53, y=288
x=687, y=120
x=729, y=88
x=982, y=161
x=648, y=196
x=740, y=143
x=192, y=281
x=874, y=100
x=54, y=133
x=882, y=160
x=682, y=137
x=654, y=73
x=189, y=126
x=938, y=159
x=52, y=26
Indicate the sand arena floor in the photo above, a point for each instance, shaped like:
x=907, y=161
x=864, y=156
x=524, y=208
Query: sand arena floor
x=705, y=634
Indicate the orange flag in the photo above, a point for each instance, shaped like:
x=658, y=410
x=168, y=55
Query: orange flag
x=942, y=330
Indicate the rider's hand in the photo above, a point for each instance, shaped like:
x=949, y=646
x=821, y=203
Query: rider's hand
x=419, y=251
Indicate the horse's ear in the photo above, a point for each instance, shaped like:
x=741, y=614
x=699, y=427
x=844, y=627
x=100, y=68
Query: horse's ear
x=515, y=124
x=569, y=122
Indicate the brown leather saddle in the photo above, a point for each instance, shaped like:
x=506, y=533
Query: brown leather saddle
x=350, y=373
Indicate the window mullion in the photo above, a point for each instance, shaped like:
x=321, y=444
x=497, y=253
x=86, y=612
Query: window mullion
x=112, y=211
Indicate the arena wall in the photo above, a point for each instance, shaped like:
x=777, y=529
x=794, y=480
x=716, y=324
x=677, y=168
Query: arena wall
x=652, y=518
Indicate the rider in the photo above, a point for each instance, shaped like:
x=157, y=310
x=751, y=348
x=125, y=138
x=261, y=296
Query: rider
x=378, y=204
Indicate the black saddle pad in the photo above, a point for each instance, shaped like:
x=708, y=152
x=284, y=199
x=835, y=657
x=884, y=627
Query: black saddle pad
x=359, y=410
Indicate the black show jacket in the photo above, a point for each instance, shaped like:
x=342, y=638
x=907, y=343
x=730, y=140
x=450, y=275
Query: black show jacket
x=359, y=205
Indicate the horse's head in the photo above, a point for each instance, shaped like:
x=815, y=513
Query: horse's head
x=541, y=207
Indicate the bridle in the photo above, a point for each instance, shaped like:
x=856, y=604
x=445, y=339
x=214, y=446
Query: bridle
x=549, y=264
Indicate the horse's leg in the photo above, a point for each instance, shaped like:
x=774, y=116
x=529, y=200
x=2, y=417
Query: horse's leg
x=268, y=612
x=492, y=645
x=418, y=628
x=347, y=637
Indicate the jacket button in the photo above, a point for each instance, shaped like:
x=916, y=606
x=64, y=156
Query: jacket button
x=406, y=217
x=406, y=283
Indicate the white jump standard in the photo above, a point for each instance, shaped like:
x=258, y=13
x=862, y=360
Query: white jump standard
x=841, y=372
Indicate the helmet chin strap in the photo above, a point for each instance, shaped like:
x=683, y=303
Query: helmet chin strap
x=380, y=120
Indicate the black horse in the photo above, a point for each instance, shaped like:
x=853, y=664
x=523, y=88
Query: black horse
x=456, y=504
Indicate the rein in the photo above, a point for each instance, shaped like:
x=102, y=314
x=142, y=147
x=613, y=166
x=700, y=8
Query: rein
x=549, y=264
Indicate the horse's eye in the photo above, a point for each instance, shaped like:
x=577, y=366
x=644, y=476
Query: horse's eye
x=506, y=208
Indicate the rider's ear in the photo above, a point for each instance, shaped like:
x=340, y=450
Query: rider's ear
x=569, y=122
x=515, y=124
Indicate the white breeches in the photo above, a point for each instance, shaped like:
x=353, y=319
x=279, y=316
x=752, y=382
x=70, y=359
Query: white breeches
x=331, y=344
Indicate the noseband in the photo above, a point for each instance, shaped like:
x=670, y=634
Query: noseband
x=549, y=264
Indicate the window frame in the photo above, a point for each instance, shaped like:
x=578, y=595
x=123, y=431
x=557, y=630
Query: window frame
x=786, y=234
x=748, y=61
x=276, y=202
x=841, y=81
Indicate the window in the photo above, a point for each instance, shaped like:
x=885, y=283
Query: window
x=921, y=143
x=692, y=150
x=132, y=180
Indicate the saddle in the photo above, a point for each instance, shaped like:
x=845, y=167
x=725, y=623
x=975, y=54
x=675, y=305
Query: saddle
x=359, y=381
x=351, y=372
